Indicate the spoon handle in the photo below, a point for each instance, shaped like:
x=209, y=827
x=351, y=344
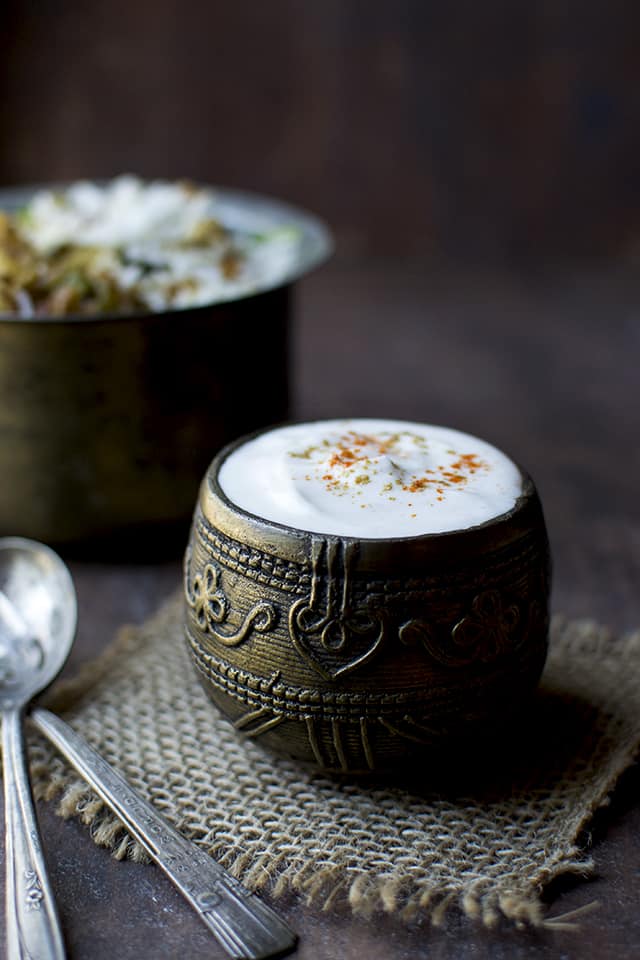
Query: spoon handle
x=246, y=927
x=32, y=924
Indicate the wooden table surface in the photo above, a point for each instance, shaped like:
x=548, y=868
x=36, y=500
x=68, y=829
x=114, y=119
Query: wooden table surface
x=545, y=365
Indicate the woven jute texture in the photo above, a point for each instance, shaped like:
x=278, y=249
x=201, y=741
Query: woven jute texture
x=486, y=837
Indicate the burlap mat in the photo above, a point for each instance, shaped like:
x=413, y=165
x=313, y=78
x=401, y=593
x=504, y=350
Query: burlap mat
x=486, y=844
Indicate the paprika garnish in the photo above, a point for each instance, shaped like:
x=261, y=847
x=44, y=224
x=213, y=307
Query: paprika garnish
x=375, y=477
x=366, y=451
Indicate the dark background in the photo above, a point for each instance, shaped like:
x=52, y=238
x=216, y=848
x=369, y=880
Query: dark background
x=475, y=130
x=479, y=163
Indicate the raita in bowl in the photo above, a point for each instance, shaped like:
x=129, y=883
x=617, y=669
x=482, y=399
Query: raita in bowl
x=360, y=592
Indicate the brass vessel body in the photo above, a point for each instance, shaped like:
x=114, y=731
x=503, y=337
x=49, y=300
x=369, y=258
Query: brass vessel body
x=358, y=655
x=102, y=420
x=105, y=420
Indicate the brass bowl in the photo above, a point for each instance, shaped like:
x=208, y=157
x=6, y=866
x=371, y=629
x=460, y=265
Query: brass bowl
x=102, y=418
x=359, y=655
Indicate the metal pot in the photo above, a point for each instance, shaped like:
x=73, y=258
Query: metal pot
x=107, y=422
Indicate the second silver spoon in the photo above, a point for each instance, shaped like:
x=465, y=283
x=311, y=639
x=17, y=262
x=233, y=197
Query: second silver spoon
x=38, y=622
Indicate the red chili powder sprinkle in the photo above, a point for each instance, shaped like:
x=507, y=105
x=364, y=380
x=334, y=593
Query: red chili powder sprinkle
x=454, y=477
x=468, y=461
x=417, y=484
x=355, y=448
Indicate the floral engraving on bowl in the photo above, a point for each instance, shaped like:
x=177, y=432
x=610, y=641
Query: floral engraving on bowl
x=489, y=628
x=211, y=609
x=478, y=637
x=327, y=631
x=481, y=636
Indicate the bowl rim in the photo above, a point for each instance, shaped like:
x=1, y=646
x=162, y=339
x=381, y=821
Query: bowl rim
x=316, y=246
x=495, y=531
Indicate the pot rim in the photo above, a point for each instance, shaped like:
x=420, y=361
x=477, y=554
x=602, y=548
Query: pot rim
x=316, y=246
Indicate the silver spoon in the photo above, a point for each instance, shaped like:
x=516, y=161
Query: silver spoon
x=34, y=578
x=37, y=626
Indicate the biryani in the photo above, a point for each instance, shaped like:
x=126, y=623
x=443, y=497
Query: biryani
x=131, y=245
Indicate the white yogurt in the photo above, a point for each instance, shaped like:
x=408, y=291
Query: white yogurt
x=371, y=478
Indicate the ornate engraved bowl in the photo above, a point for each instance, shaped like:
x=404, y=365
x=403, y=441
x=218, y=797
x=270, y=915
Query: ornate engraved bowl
x=358, y=655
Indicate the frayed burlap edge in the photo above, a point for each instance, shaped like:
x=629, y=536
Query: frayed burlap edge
x=363, y=893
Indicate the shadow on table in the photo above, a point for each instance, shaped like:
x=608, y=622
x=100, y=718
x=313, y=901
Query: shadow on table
x=554, y=738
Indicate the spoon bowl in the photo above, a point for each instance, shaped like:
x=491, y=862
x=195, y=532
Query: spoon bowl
x=38, y=614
